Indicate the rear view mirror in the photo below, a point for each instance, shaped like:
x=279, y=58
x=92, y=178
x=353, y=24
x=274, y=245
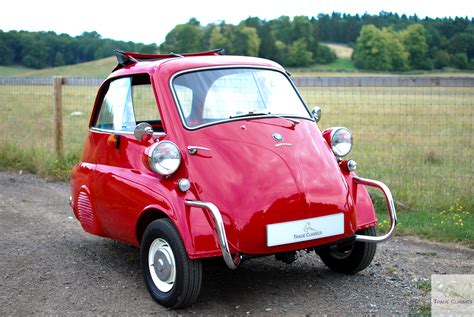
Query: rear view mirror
x=143, y=132
x=316, y=114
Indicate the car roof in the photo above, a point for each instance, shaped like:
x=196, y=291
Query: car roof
x=172, y=64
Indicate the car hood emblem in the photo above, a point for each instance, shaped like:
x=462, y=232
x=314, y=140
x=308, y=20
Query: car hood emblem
x=278, y=136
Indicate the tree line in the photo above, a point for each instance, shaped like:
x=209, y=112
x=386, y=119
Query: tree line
x=418, y=46
x=48, y=49
x=292, y=42
x=387, y=41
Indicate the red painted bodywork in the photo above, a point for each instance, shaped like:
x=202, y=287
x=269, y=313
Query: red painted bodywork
x=252, y=182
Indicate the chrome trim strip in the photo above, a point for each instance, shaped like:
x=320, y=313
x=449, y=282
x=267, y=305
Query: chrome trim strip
x=391, y=210
x=191, y=70
x=231, y=261
x=156, y=134
x=109, y=131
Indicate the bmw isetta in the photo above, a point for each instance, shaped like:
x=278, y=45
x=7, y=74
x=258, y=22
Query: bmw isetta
x=203, y=155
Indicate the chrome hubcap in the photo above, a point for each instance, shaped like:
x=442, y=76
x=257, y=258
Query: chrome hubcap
x=162, y=265
x=341, y=255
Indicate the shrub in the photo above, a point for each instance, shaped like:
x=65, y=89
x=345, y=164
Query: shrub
x=324, y=55
x=442, y=59
x=460, y=60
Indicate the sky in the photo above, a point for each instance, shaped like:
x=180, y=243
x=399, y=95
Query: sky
x=149, y=21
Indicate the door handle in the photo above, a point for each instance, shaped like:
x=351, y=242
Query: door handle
x=192, y=149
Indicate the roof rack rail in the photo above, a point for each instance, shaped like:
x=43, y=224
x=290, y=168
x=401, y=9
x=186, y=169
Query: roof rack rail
x=129, y=58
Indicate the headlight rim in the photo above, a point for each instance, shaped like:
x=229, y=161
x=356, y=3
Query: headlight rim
x=150, y=157
x=333, y=132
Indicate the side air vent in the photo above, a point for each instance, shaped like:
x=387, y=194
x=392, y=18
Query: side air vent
x=85, y=213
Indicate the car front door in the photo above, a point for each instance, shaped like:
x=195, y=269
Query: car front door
x=127, y=102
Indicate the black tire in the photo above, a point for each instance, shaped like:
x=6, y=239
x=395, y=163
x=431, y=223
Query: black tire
x=353, y=260
x=185, y=283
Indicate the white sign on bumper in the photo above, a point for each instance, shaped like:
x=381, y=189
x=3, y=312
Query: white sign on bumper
x=304, y=230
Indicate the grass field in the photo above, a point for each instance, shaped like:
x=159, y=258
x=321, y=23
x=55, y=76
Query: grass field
x=409, y=138
x=12, y=71
x=98, y=68
x=419, y=141
x=342, y=51
x=343, y=66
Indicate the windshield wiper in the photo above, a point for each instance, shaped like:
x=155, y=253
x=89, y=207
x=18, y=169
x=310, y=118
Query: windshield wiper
x=266, y=114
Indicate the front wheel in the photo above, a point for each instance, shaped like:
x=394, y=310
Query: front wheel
x=356, y=258
x=172, y=279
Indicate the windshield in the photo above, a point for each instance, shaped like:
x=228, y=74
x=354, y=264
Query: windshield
x=210, y=96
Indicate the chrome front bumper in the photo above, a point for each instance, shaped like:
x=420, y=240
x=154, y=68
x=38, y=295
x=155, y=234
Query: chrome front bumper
x=234, y=261
x=231, y=261
x=391, y=210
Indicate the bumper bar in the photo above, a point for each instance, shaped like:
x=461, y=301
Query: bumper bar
x=391, y=210
x=231, y=261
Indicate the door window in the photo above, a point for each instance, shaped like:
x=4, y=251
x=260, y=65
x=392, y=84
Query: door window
x=128, y=101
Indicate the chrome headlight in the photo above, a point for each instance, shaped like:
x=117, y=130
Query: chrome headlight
x=164, y=158
x=341, y=141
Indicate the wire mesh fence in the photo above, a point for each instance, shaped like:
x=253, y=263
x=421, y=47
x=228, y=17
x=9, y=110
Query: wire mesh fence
x=413, y=133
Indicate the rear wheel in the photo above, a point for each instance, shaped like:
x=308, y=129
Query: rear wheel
x=172, y=279
x=353, y=259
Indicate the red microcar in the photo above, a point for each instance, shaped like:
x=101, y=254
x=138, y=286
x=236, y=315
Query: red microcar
x=203, y=155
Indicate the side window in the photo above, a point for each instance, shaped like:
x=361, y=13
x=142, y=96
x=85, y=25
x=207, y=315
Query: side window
x=144, y=104
x=116, y=112
x=185, y=98
x=128, y=101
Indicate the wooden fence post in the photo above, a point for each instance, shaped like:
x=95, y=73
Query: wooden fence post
x=58, y=116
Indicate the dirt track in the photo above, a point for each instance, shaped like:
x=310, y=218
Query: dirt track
x=49, y=265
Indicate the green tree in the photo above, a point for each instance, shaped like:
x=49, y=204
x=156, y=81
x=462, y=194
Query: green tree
x=414, y=40
x=298, y=54
x=303, y=29
x=7, y=54
x=268, y=47
x=281, y=52
x=397, y=52
x=59, y=59
x=184, y=38
x=221, y=37
x=282, y=29
x=380, y=50
x=34, y=51
x=460, y=60
x=247, y=41
x=442, y=59
x=463, y=43
x=371, y=51
x=324, y=55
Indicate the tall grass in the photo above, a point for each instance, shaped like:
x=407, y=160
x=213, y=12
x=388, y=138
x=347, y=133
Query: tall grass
x=37, y=160
x=419, y=141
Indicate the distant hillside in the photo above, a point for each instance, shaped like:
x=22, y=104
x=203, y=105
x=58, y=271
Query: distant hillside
x=103, y=67
x=99, y=68
x=41, y=50
x=342, y=51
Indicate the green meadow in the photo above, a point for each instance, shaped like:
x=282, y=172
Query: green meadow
x=419, y=141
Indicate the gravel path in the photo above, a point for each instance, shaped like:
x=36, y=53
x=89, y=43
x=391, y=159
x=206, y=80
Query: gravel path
x=49, y=265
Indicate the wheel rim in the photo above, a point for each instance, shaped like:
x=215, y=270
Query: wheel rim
x=162, y=265
x=341, y=255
